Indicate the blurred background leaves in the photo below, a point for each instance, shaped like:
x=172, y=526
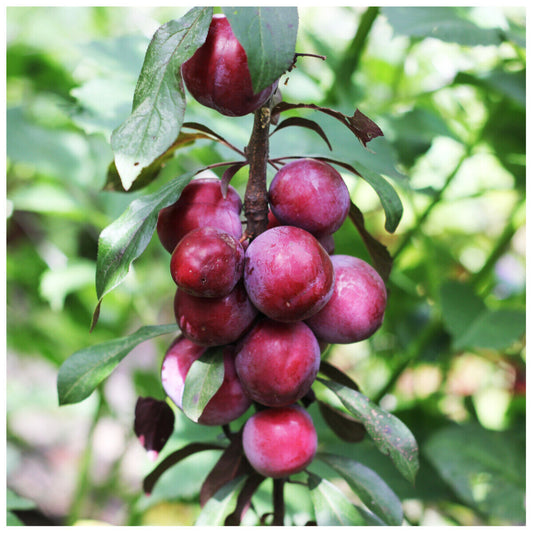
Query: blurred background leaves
x=447, y=87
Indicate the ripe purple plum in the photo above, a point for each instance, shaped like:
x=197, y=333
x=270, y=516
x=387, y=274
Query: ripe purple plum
x=228, y=403
x=217, y=75
x=277, y=362
x=287, y=273
x=201, y=204
x=356, y=309
x=310, y=194
x=280, y=441
x=207, y=262
x=214, y=321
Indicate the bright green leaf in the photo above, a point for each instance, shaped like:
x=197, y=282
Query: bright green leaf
x=203, y=381
x=391, y=435
x=85, y=369
x=331, y=506
x=159, y=100
x=127, y=237
x=372, y=490
x=268, y=35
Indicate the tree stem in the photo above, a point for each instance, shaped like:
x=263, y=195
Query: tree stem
x=256, y=196
x=278, y=502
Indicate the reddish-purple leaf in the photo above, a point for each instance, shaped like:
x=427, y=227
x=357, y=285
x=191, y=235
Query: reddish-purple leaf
x=244, y=500
x=304, y=123
x=332, y=372
x=228, y=174
x=151, y=479
x=381, y=257
x=343, y=425
x=154, y=423
x=231, y=464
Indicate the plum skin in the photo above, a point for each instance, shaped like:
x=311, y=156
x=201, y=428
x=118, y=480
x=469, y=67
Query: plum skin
x=217, y=75
x=287, y=273
x=200, y=204
x=214, y=321
x=207, y=262
x=228, y=403
x=311, y=195
x=277, y=362
x=280, y=441
x=356, y=309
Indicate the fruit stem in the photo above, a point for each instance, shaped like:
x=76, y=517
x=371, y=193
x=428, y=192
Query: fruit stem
x=278, y=502
x=256, y=195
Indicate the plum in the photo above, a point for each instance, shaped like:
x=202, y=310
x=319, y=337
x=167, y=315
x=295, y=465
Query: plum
x=207, y=262
x=287, y=273
x=217, y=75
x=277, y=362
x=356, y=309
x=280, y=441
x=228, y=403
x=310, y=194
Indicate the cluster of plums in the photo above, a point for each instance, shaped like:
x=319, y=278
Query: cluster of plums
x=272, y=304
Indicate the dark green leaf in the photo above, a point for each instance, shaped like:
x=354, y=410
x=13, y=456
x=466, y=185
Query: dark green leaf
x=372, y=490
x=127, y=237
x=486, y=469
x=203, y=381
x=391, y=435
x=222, y=504
x=159, y=99
x=268, y=36
x=85, y=369
x=331, y=506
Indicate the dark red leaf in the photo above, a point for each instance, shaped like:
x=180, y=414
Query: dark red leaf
x=174, y=458
x=343, y=425
x=244, y=499
x=232, y=463
x=154, y=423
x=381, y=257
x=304, y=123
x=228, y=174
x=337, y=375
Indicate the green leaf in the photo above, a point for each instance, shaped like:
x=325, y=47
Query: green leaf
x=331, y=506
x=268, y=36
x=203, y=381
x=372, y=490
x=495, y=330
x=127, y=237
x=159, y=100
x=446, y=23
x=222, y=504
x=14, y=501
x=486, y=469
x=85, y=369
x=391, y=435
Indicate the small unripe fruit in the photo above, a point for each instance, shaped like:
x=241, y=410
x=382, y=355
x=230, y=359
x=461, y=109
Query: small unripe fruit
x=201, y=204
x=214, y=321
x=208, y=262
x=310, y=194
x=278, y=362
x=217, y=75
x=280, y=441
x=288, y=274
x=356, y=309
x=228, y=403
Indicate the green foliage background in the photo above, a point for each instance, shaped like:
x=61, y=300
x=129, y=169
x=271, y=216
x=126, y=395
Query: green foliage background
x=446, y=86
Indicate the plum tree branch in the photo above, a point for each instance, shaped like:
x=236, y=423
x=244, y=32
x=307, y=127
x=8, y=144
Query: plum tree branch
x=256, y=197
